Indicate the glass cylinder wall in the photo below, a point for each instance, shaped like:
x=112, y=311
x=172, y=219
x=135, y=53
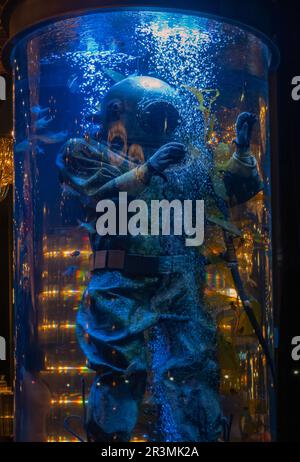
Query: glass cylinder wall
x=140, y=337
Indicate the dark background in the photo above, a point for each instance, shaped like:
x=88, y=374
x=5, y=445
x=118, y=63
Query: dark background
x=287, y=24
x=281, y=21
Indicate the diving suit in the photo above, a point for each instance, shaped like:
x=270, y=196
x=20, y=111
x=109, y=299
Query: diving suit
x=142, y=324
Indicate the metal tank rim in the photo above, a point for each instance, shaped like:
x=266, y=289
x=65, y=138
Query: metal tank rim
x=18, y=29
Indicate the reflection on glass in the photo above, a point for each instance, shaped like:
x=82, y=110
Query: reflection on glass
x=96, y=97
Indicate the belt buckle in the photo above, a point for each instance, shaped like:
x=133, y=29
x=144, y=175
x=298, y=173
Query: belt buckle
x=91, y=262
x=116, y=259
x=100, y=259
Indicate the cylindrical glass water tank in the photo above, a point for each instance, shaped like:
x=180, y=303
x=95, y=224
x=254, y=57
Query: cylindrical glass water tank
x=181, y=353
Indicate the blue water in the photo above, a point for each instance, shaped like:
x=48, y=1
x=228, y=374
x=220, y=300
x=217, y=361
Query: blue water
x=62, y=72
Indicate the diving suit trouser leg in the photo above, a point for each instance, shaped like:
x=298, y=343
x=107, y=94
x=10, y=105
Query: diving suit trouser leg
x=129, y=328
x=113, y=407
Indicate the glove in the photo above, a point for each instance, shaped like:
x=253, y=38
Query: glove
x=167, y=155
x=244, y=126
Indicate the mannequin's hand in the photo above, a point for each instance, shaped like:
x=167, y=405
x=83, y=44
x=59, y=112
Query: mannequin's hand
x=244, y=127
x=167, y=155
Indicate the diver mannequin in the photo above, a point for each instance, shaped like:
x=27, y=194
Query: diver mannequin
x=142, y=320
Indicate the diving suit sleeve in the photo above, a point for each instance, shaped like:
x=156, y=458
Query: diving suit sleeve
x=136, y=180
x=241, y=177
x=97, y=173
x=92, y=171
x=133, y=182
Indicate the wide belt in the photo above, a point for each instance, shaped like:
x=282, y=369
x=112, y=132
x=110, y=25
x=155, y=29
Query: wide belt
x=139, y=265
